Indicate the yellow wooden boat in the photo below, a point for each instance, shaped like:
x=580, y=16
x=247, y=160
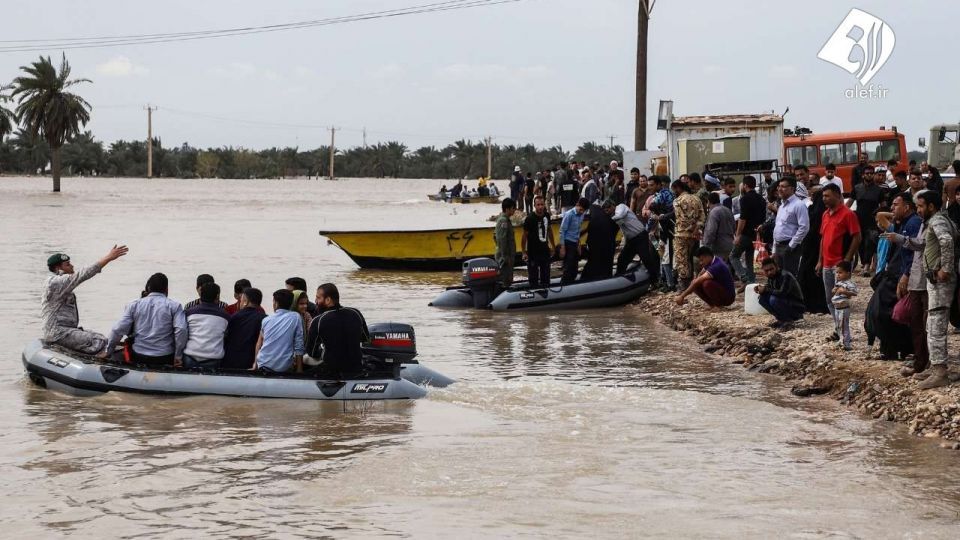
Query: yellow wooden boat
x=431, y=250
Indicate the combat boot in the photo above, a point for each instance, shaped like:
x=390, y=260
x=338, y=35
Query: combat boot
x=937, y=378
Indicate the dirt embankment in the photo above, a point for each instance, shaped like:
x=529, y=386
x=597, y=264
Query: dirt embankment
x=815, y=365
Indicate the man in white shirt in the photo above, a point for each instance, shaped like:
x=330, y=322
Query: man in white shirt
x=831, y=177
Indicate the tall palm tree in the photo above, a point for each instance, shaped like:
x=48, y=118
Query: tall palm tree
x=47, y=109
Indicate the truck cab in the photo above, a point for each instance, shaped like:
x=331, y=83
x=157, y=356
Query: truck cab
x=944, y=146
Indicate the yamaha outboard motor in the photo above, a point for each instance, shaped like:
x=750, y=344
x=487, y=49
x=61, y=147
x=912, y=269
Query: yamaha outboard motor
x=482, y=277
x=391, y=342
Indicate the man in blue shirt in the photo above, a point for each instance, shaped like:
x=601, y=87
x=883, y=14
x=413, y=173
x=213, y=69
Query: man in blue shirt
x=792, y=226
x=570, y=239
x=281, y=337
x=155, y=325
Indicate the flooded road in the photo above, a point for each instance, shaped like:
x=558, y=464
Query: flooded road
x=599, y=424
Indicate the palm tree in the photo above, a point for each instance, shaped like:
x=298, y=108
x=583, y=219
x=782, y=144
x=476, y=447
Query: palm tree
x=34, y=152
x=47, y=109
x=7, y=119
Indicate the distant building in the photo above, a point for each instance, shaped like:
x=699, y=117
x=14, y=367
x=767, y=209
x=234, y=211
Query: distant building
x=693, y=142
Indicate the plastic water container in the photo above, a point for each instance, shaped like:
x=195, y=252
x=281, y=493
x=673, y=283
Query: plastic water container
x=751, y=301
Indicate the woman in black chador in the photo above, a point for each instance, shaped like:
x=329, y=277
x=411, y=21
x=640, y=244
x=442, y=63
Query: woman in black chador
x=811, y=284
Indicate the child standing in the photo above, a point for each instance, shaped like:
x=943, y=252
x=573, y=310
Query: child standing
x=842, y=292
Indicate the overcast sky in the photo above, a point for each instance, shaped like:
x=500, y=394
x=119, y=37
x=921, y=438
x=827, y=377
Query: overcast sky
x=542, y=71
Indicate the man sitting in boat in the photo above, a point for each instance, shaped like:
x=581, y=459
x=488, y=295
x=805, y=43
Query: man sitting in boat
x=482, y=189
x=58, y=310
x=457, y=189
x=243, y=331
x=202, y=280
x=154, y=325
x=280, y=346
x=336, y=335
x=207, y=328
x=494, y=192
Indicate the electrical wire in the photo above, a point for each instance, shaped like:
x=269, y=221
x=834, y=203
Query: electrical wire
x=29, y=45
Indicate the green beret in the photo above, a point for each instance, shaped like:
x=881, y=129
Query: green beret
x=57, y=258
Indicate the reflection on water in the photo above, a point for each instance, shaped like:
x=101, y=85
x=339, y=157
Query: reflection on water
x=576, y=424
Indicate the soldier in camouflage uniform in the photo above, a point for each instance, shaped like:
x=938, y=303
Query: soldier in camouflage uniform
x=941, y=276
x=689, y=220
x=58, y=310
x=506, y=242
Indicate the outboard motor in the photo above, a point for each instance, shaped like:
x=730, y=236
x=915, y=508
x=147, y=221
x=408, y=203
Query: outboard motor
x=391, y=342
x=482, y=277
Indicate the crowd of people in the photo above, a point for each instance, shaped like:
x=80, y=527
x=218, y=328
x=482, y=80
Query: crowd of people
x=206, y=333
x=702, y=233
x=599, y=199
x=460, y=191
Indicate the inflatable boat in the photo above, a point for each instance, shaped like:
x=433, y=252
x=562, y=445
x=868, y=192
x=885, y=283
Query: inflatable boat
x=482, y=290
x=391, y=373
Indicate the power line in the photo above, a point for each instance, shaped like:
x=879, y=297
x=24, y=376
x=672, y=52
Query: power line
x=28, y=45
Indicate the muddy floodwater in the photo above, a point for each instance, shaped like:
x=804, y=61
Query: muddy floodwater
x=578, y=424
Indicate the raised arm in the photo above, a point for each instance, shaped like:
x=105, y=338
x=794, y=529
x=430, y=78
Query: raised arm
x=115, y=253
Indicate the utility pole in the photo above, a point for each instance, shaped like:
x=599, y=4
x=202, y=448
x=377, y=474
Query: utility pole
x=333, y=150
x=489, y=157
x=640, y=125
x=612, y=137
x=364, y=136
x=150, y=140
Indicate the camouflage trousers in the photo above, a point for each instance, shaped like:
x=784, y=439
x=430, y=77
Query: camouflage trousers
x=683, y=256
x=80, y=340
x=937, y=322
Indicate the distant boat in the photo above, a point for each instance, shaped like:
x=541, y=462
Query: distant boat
x=488, y=199
x=433, y=250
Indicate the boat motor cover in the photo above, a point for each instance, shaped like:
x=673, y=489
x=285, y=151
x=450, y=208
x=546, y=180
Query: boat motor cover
x=481, y=272
x=391, y=341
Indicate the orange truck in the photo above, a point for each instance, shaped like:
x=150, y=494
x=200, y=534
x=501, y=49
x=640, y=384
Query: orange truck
x=845, y=150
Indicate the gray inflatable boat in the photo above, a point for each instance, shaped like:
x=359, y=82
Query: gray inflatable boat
x=482, y=290
x=392, y=374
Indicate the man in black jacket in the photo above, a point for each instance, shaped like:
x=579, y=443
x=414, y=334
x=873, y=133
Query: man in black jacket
x=335, y=336
x=601, y=242
x=753, y=212
x=243, y=331
x=781, y=296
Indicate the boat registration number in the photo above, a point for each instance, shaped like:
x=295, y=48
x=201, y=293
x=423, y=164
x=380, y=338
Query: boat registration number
x=367, y=388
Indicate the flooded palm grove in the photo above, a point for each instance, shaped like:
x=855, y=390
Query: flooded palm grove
x=569, y=424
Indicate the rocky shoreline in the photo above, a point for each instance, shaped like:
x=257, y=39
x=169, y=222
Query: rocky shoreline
x=815, y=366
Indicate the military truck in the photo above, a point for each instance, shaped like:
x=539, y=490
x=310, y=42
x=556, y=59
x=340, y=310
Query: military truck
x=944, y=146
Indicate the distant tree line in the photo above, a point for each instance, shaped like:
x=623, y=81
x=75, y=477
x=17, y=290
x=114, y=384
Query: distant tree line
x=83, y=155
x=42, y=121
